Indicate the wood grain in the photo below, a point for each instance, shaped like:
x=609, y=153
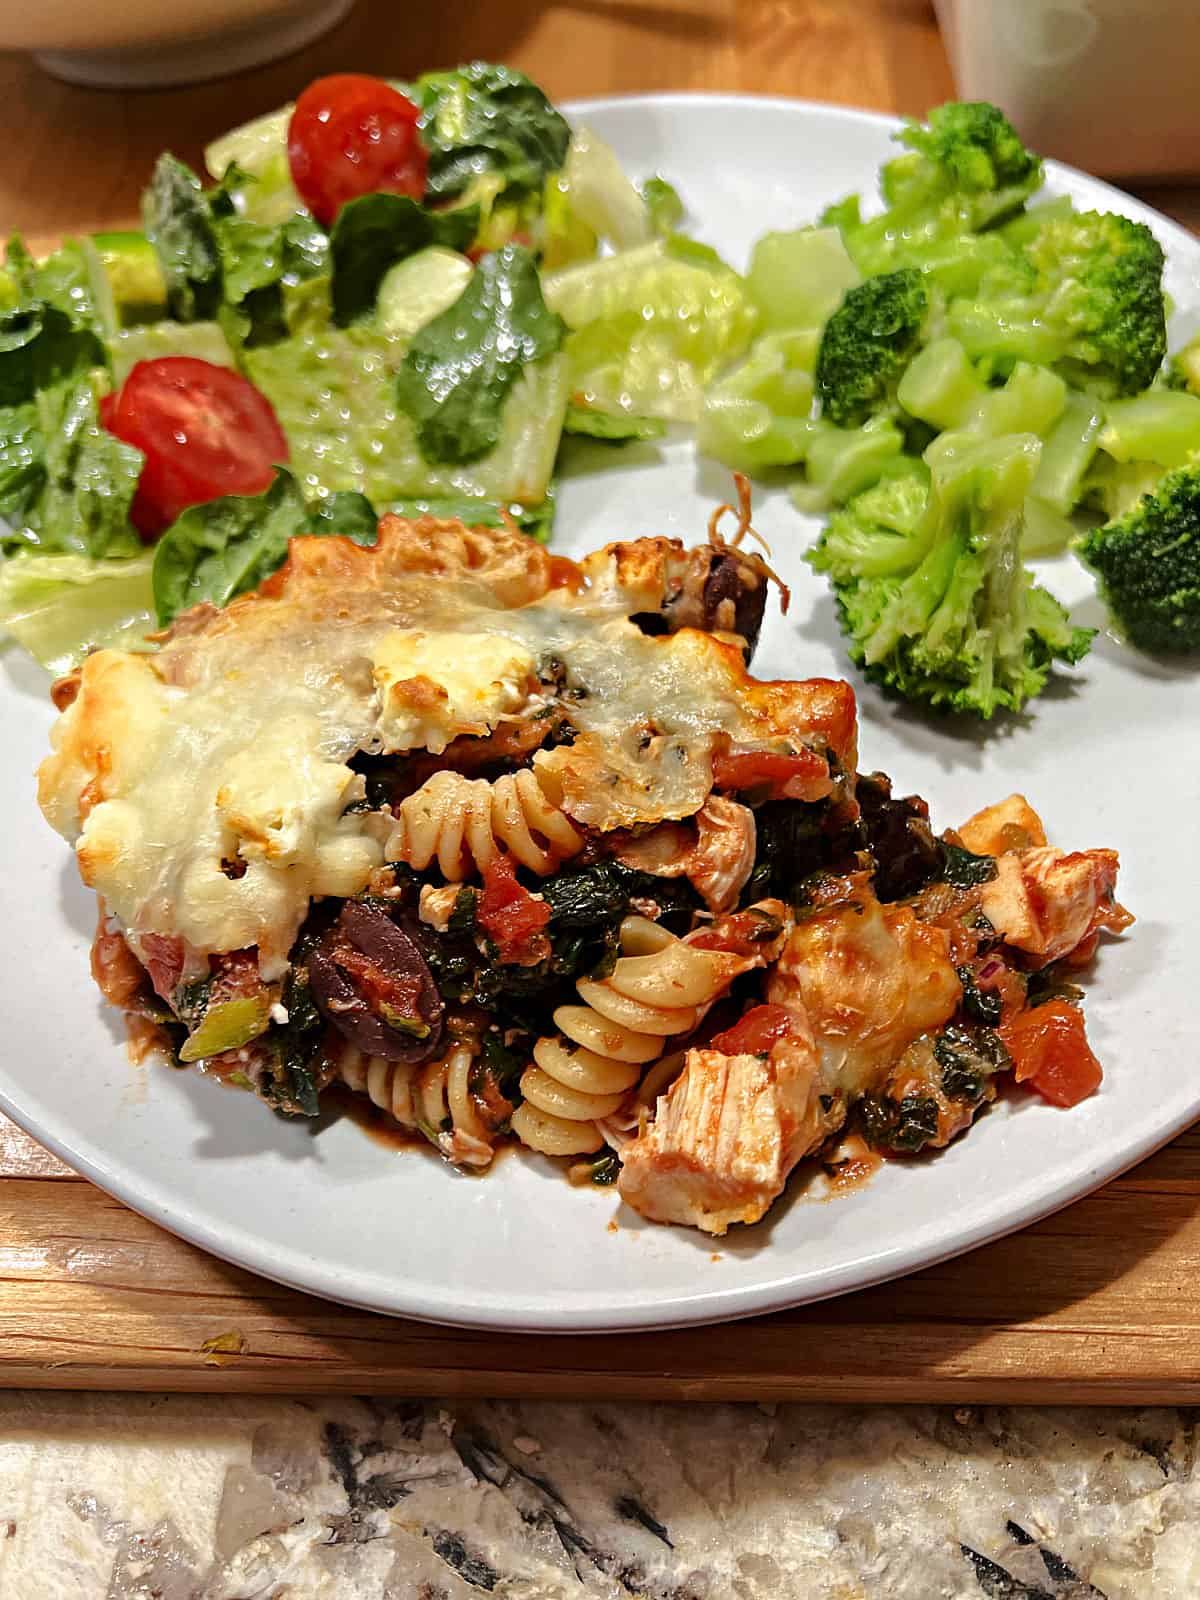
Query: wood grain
x=82, y=156
x=1097, y=1304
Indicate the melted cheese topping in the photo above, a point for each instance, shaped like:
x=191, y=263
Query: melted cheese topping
x=206, y=787
x=435, y=686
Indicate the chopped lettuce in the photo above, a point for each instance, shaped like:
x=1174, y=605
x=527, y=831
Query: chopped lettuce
x=485, y=120
x=759, y=415
x=665, y=208
x=260, y=262
x=599, y=192
x=179, y=223
x=614, y=427
x=58, y=607
x=798, y=279
x=40, y=346
x=66, y=483
x=333, y=391
x=650, y=330
x=458, y=371
x=204, y=340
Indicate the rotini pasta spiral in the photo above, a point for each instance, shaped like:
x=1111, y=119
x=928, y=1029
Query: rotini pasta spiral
x=463, y=823
x=434, y=1099
x=661, y=986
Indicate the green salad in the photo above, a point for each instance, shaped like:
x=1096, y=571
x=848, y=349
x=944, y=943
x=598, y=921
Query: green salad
x=402, y=297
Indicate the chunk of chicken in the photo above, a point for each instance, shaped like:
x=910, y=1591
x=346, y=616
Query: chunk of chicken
x=871, y=978
x=728, y=1134
x=1052, y=904
x=860, y=982
x=1010, y=824
x=716, y=855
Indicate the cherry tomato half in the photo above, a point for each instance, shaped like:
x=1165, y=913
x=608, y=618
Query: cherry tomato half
x=352, y=135
x=204, y=431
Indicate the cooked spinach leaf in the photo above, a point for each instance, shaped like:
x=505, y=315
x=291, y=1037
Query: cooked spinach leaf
x=981, y=1005
x=968, y=1057
x=460, y=367
x=374, y=232
x=482, y=121
x=179, y=223
x=906, y=1125
x=964, y=870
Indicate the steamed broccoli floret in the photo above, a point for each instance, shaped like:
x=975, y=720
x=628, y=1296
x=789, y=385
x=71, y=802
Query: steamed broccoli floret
x=1148, y=564
x=968, y=154
x=867, y=343
x=1085, y=297
x=930, y=587
x=967, y=170
x=1183, y=369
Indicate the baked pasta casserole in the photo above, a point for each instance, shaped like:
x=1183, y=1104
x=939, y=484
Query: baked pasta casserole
x=517, y=848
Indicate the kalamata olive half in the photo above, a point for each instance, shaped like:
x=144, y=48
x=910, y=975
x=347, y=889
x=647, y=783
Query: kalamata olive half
x=735, y=597
x=372, y=983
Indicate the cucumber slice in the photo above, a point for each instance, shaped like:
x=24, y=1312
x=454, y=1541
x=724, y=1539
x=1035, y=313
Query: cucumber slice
x=258, y=149
x=415, y=291
x=126, y=279
x=203, y=340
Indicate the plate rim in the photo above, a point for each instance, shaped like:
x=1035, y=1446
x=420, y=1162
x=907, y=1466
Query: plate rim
x=781, y=1290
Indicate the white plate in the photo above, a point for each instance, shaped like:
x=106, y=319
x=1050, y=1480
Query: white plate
x=1108, y=760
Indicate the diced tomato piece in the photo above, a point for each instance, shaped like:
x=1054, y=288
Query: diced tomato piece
x=510, y=916
x=1050, y=1051
x=755, y=1033
x=790, y=776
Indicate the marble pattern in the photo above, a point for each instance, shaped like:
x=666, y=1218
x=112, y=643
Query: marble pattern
x=134, y=1497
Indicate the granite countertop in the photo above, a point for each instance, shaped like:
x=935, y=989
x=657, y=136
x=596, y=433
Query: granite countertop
x=143, y=1497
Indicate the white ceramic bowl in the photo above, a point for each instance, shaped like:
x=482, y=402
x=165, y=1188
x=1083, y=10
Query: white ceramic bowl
x=1109, y=85
x=137, y=43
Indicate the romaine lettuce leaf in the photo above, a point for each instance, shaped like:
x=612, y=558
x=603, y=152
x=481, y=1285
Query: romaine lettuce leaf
x=66, y=483
x=180, y=225
x=459, y=369
x=650, y=330
x=60, y=607
x=663, y=204
x=41, y=346
x=759, y=415
x=600, y=193
x=614, y=427
x=482, y=119
x=333, y=391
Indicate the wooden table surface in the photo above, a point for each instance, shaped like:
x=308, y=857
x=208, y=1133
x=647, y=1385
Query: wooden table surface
x=1096, y=1304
